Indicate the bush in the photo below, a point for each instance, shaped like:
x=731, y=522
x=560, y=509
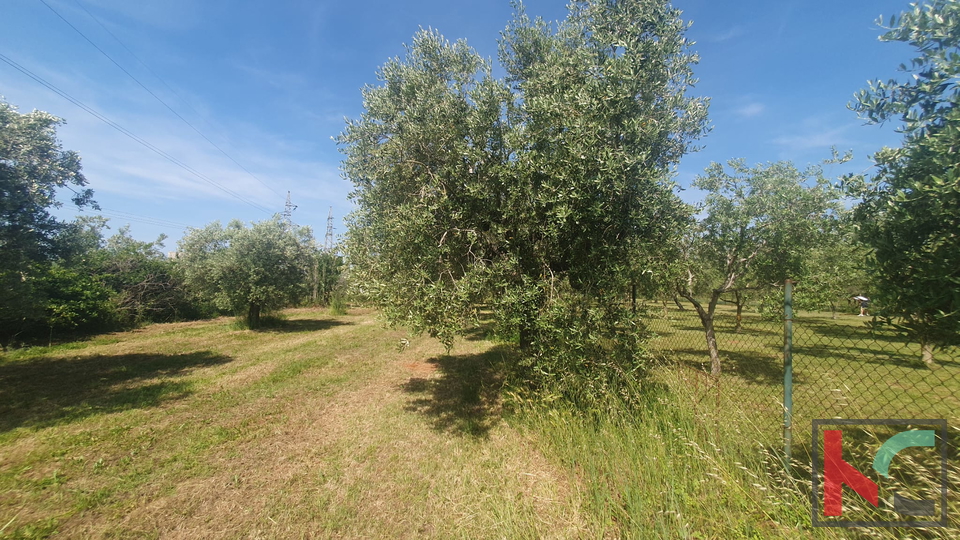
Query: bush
x=587, y=350
x=338, y=301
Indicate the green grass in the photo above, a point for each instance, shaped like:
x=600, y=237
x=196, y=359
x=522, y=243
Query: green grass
x=661, y=473
x=315, y=427
x=321, y=426
x=843, y=368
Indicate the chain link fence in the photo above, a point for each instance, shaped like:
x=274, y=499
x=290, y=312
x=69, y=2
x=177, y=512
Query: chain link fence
x=844, y=366
x=751, y=352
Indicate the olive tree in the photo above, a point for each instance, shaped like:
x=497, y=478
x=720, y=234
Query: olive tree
x=910, y=212
x=247, y=270
x=759, y=225
x=532, y=194
x=835, y=270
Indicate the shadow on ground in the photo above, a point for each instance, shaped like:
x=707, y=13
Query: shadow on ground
x=751, y=366
x=44, y=391
x=303, y=325
x=463, y=395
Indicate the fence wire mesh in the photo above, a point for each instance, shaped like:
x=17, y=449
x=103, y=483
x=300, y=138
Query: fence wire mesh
x=844, y=366
x=751, y=382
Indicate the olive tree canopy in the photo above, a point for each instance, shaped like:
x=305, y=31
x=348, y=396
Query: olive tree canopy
x=247, y=270
x=910, y=212
x=532, y=194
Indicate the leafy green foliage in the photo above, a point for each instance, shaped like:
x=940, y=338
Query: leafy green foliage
x=76, y=300
x=247, y=270
x=836, y=270
x=33, y=166
x=147, y=286
x=533, y=194
x=925, y=102
x=100, y=285
x=325, y=274
x=760, y=225
x=910, y=212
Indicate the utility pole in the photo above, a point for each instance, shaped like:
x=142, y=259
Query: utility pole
x=288, y=209
x=328, y=240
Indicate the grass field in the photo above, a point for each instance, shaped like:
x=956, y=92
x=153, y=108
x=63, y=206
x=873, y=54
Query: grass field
x=325, y=427
x=842, y=369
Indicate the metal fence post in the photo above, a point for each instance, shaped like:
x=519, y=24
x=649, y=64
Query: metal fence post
x=787, y=372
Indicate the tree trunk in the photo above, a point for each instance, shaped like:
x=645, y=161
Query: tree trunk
x=926, y=354
x=314, y=298
x=740, y=300
x=526, y=339
x=833, y=310
x=253, y=316
x=706, y=319
x=665, y=314
x=712, y=347
x=677, y=302
x=633, y=297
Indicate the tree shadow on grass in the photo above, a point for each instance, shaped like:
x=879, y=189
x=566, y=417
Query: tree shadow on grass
x=847, y=333
x=303, y=325
x=45, y=391
x=463, y=396
x=751, y=366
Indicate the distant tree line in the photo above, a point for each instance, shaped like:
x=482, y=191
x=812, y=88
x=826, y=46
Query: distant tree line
x=67, y=278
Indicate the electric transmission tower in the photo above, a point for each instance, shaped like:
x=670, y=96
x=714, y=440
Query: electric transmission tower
x=288, y=209
x=328, y=240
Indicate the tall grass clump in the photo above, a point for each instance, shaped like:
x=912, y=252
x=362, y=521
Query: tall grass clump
x=653, y=467
x=338, y=302
x=683, y=459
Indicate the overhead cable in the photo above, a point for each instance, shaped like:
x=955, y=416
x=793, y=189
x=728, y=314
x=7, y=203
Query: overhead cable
x=155, y=96
x=129, y=134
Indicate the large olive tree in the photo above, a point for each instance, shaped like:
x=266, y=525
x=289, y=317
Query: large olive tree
x=533, y=194
x=759, y=227
x=910, y=214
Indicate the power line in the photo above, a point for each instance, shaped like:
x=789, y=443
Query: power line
x=155, y=96
x=137, y=58
x=135, y=217
x=126, y=132
x=146, y=219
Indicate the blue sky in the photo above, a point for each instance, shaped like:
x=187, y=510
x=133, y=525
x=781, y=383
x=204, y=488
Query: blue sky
x=270, y=83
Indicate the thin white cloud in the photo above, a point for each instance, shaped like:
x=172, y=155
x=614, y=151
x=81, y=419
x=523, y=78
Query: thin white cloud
x=731, y=33
x=750, y=110
x=114, y=163
x=280, y=79
x=813, y=134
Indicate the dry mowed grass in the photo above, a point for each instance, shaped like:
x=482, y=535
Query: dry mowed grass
x=321, y=428
x=326, y=427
